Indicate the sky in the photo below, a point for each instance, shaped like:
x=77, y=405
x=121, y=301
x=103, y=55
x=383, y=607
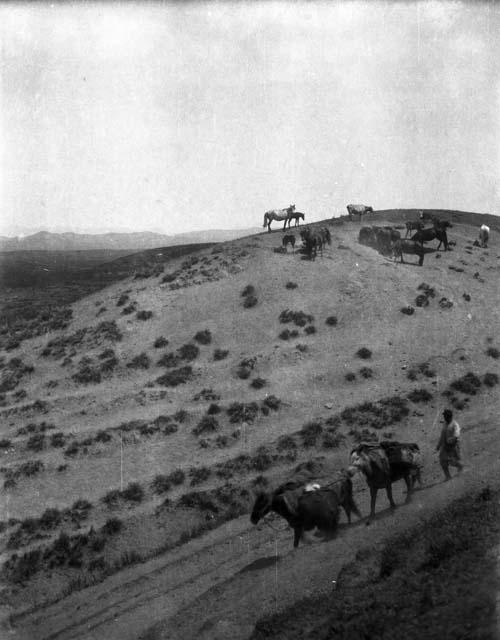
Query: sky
x=176, y=117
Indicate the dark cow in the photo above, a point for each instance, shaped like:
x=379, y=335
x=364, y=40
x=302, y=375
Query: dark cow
x=407, y=246
x=426, y=235
x=367, y=236
x=385, y=236
x=359, y=209
x=307, y=507
x=413, y=226
x=313, y=241
x=289, y=238
x=385, y=463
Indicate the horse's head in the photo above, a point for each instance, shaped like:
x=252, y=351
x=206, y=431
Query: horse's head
x=301, y=215
x=359, y=462
x=261, y=508
x=291, y=208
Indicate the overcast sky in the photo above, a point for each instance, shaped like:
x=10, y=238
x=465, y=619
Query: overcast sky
x=180, y=117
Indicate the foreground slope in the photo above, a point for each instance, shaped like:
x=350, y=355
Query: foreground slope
x=149, y=482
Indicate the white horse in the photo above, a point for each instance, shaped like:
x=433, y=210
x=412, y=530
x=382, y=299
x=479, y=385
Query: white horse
x=278, y=214
x=484, y=234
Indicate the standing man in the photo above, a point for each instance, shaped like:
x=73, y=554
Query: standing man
x=449, y=444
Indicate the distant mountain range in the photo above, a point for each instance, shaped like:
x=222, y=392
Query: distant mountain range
x=46, y=241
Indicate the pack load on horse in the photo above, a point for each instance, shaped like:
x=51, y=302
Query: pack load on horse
x=308, y=506
x=384, y=463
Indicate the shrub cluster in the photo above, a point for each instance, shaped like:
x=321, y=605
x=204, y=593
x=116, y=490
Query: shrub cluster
x=144, y=315
x=163, y=483
x=208, y=424
x=364, y=353
x=422, y=369
x=140, y=361
x=28, y=469
x=203, y=337
x=250, y=299
x=242, y=412
x=245, y=368
x=176, y=377
x=133, y=492
x=376, y=415
x=12, y=374
x=160, y=342
x=299, y=318
x=420, y=395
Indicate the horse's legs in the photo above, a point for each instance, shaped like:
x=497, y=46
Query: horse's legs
x=297, y=534
x=373, y=500
x=409, y=487
x=389, y=495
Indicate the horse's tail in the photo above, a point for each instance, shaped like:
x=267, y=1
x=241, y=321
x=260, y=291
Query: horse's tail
x=265, y=220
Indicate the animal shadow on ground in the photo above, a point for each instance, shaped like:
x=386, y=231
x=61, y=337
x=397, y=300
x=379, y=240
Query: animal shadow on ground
x=260, y=563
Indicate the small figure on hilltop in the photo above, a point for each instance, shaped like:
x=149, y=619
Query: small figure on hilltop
x=449, y=444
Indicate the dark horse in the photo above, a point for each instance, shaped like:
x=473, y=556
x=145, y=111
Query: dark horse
x=313, y=241
x=298, y=216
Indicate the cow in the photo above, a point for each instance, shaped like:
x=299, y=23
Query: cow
x=484, y=235
x=360, y=209
x=307, y=507
x=384, y=463
x=426, y=235
x=385, y=236
x=367, y=236
x=313, y=241
x=413, y=226
x=407, y=246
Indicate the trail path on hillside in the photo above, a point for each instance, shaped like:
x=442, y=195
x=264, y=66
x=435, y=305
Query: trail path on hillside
x=219, y=585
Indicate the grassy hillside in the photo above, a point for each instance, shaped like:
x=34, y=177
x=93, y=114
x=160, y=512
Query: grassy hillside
x=38, y=286
x=170, y=397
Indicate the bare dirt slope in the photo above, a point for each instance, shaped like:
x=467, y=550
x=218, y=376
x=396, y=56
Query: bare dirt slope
x=180, y=558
